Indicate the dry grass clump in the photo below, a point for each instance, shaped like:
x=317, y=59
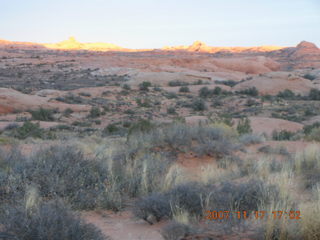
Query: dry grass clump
x=307, y=165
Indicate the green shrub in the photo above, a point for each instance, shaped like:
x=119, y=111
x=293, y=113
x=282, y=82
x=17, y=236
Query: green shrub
x=111, y=129
x=286, y=94
x=67, y=112
x=253, y=91
x=244, y=126
x=229, y=83
x=42, y=114
x=308, y=128
x=29, y=129
x=309, y=77
x=144, y=86
x=282, y=135
x=314, y=94
x=171, y=110
x=198, y=105
x=184, y=89
x=126, y=86
x=94, y=112
x=175, y=83
x=314, y=135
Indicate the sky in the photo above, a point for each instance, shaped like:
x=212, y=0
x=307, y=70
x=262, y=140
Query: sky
x=158, y=23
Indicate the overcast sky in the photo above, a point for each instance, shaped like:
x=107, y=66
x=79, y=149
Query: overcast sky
x=158, y=23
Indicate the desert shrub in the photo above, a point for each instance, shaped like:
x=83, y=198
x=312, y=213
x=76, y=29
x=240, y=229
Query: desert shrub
x=307, y=165
x=188, y=197
x=51, y=221
x=152, y=208
x=67, y=112
x=253, y=91
x=142, y=125
x=157, y=89
x=286, y=94
x=309, y=76
x=11, y=126
x=248, y=196
x=307, y=129
x=171, y=110
x=85, y=94
x=28, y=129
x=204, y=92
x=71, y=99
x=94, y=112
x=195, y=198
x=282, y=135
x=58, y=171
x=162, y=205
x=314, y=135
x=175, y=83
x=204, y=140
x=244, y=126
x=143, y=102
x=184, y=89
x=314, y=94
x=247, y=139
x=113, y=129
x=198, y=105
x=42, y=114
x=171, y=95
x=229, y=83
x=126, y=86
x=144, y=86
x=174, y=230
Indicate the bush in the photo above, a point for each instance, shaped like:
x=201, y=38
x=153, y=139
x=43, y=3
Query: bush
x=51, y=221
x=58, y=171
x=195, y=198
x=247, y=139
x=174, y=230
x=94, y=112
x=229, y=83
x=244, y=126
x=126, y=86
x=253, y=91
x=286, y=94
x=308, y=128
x=144, y=86
x=184, y=89
x=307, y=165
x=111, y=129
x=171, y=110
x=309, y=77
x=282, y=135
x=175, y=83
x=246, y=196
x=314, y=135
x=67, y=112
x=314, y=94
x=152, y=208
x=42, y=114
x=29, y=129
x=198, y=105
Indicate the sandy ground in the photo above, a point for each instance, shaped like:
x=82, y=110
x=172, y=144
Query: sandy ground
x=123, y=226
